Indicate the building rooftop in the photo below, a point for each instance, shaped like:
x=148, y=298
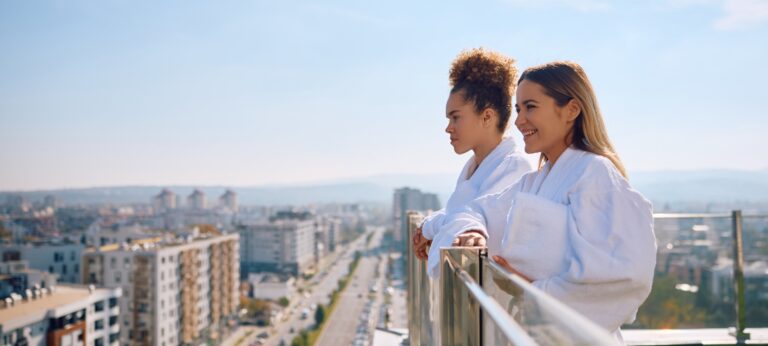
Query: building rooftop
x=32, y=309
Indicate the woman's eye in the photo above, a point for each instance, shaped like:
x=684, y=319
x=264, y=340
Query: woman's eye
x=529, y=107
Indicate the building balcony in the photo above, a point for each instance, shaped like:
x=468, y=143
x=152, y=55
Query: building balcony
x=476, y=302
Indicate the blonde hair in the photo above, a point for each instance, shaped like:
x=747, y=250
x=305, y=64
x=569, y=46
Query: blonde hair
x=565, y=81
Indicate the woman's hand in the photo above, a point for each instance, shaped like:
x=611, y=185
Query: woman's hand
x=502, y=262
x=470, y=238
x=420, y=245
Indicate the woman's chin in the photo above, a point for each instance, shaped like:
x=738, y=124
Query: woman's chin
x=459, y=150
x=530, y=150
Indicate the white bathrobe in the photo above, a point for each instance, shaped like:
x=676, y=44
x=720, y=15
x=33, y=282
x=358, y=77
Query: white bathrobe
x=500, y=169
x=578, y=230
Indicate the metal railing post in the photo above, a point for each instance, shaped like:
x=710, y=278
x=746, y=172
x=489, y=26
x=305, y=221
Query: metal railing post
x=460, y=314
x=414, y=282
x=738, y=277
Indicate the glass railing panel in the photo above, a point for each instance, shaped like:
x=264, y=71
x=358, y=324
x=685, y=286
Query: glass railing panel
x=755, y=233
x=544, y=319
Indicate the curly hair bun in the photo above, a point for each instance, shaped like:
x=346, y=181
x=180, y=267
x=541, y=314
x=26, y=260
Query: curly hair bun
x=483, y=67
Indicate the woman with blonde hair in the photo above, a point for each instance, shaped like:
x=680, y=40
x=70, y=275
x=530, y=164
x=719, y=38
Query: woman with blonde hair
x=575, y=227
x=478, y=110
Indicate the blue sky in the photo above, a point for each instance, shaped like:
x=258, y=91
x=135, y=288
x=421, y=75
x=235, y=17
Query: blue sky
x=96, y=93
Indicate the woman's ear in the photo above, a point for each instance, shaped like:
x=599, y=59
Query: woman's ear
x=489, y=117
x=572, y=109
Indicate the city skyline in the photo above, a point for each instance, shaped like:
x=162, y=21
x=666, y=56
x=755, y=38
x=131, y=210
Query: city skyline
x=258, y=93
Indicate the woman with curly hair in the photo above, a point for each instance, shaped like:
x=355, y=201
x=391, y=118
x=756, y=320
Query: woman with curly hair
x=575, y=228
x=478, y=110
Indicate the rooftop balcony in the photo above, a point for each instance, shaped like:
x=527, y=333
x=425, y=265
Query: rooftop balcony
x=476, y=302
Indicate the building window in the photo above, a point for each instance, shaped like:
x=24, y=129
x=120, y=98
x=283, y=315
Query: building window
x=99, y=325
x=77, y=268
x=112, y=302
x=99, y=306
x=72, y=256
x=64, y=269
x=112, y=263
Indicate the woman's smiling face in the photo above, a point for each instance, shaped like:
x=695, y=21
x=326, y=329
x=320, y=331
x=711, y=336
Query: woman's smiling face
x=546, y=127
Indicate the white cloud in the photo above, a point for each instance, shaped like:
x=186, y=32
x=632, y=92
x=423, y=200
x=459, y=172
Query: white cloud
x=743, y=14
x=737, y=14
x=579, y=5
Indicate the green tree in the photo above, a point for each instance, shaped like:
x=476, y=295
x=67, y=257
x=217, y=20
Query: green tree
x=319, y=315
x=668, y=308
x=283, y=301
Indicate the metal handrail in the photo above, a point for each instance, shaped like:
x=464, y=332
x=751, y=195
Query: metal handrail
x=477, y=296
x=511, y=329
x=704, y=216
x=551, y=303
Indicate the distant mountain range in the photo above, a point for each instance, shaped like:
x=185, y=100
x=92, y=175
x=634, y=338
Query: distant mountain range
x=716, y=186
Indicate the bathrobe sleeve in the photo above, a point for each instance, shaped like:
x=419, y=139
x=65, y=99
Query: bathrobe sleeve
x=489, y=211
x=431, y=224
x=613, y=249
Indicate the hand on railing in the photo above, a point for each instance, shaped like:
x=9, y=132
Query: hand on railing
x=503, y=263
x=420, y=245
x=470, y=238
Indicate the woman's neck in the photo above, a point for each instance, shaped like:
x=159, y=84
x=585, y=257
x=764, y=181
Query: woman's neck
x=554, y=154
x=484, y=149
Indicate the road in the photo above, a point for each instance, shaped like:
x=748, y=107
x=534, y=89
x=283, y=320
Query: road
x=317, y=291
x=355, y=316
x=358, y=312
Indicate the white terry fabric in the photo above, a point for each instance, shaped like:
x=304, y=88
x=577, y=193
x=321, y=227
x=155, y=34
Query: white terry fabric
x=501, y=168
x=535, y=223
x=600, y=261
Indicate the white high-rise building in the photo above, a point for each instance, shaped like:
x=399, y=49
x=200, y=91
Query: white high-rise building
x=166, y=200
x=196, y=200
x=407, y=199
x=281, y=246
x=62, y=259
x=62, y=315
x=229, y=200
x=174, y=293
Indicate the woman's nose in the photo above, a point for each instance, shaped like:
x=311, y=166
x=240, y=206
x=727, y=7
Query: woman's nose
x=519, y=120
